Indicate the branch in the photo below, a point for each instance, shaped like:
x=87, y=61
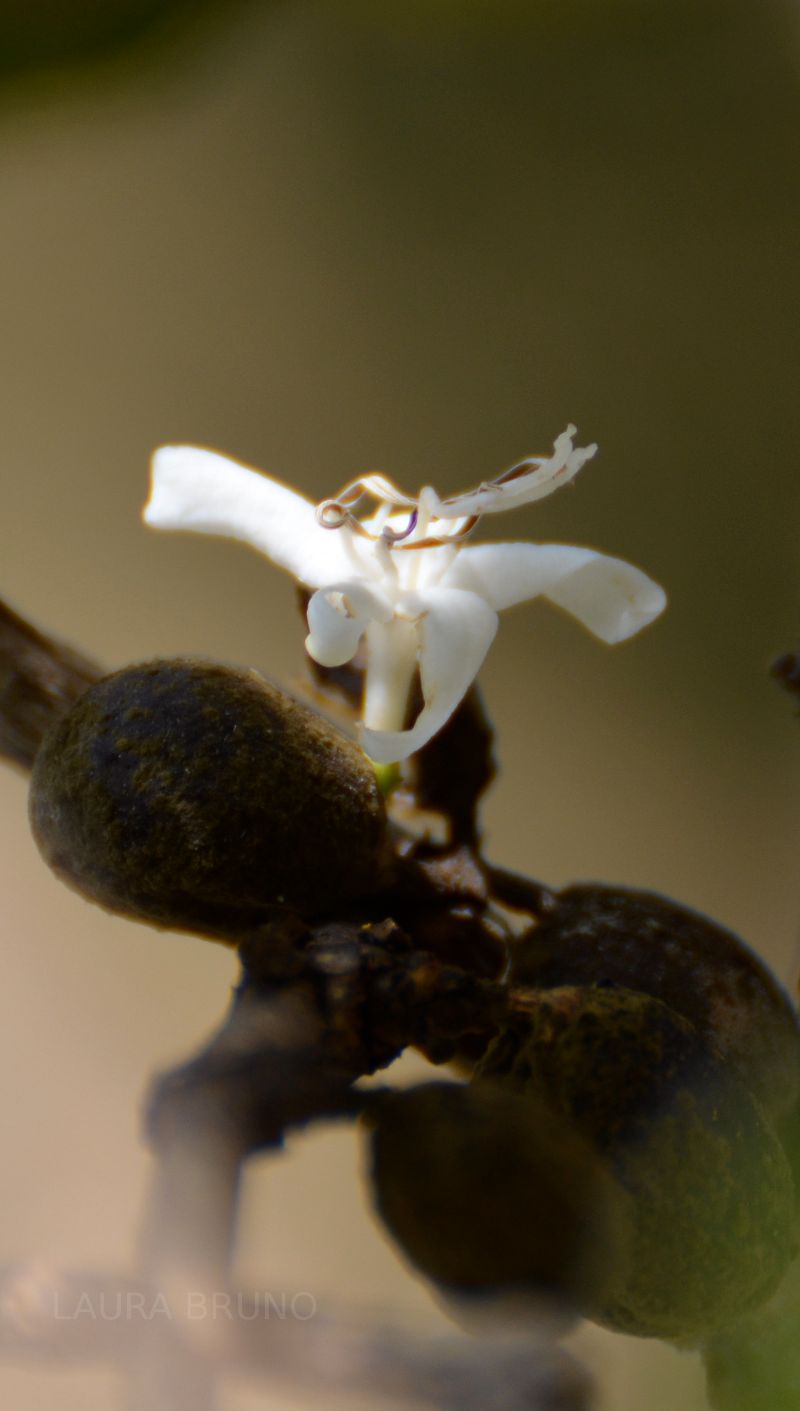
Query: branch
x=518, y=892
x=264, y=1067
x=316, y=1010
x=40, y=679
x=64, y=1318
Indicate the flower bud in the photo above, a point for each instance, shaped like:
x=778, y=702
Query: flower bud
x=711, y=1191
x=600, y=935
x=193, y=796
x=490, y=1193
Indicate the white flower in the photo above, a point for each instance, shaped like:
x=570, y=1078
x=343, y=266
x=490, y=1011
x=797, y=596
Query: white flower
x=403, y=578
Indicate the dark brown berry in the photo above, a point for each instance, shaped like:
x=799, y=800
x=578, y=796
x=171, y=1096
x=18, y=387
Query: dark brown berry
x=600, y=935
x=489, y=1193
x=198, y=797
x=712, y=1196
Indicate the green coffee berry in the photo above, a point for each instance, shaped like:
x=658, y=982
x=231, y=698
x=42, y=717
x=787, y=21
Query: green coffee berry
x=487, y=1192
x=197, y=797
x=711, y=1192
x=611, y=935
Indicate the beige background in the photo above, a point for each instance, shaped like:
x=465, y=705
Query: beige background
x=325, y=241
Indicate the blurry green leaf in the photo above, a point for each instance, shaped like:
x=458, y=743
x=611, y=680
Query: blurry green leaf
x=418, y=17
x=756, y=1365
x=55, y=35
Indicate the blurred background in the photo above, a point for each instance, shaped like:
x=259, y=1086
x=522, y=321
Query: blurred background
x=421, y=236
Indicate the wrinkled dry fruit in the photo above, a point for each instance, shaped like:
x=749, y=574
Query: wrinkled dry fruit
x=194, y=796
x=710, y=1186
x=489, y=1193
x=611, y=935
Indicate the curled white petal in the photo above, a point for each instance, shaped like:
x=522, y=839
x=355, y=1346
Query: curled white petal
x=338, y=617
x=206, y=493
x=609, y=596
x=455, y=632
x=544, y=476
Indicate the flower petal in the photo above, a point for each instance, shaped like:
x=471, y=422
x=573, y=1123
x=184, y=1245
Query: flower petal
x=610, y=597
x=455, y=632
x=207, y=493
x=338, y=617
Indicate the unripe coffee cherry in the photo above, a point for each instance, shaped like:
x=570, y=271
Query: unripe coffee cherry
x=600, y=935
x=711, y=1192
x=489, y=1193
x=197, y=797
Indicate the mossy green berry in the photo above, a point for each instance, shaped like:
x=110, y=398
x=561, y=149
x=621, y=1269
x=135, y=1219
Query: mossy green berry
x=604, y=935
x=711, y=1190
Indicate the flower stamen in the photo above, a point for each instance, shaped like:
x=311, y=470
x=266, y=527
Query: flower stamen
x=438, y=541
x=515, y=471
x=396, y=536
x=337, y=514
x=333, y=514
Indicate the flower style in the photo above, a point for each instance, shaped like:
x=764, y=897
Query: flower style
x=402, y=577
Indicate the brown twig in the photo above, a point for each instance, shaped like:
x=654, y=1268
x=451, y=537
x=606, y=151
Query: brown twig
x=40, y=679
x=315, y=1011
x=69, y=1318
x=204, y=1120
x=518, y=892
x=454, y=770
